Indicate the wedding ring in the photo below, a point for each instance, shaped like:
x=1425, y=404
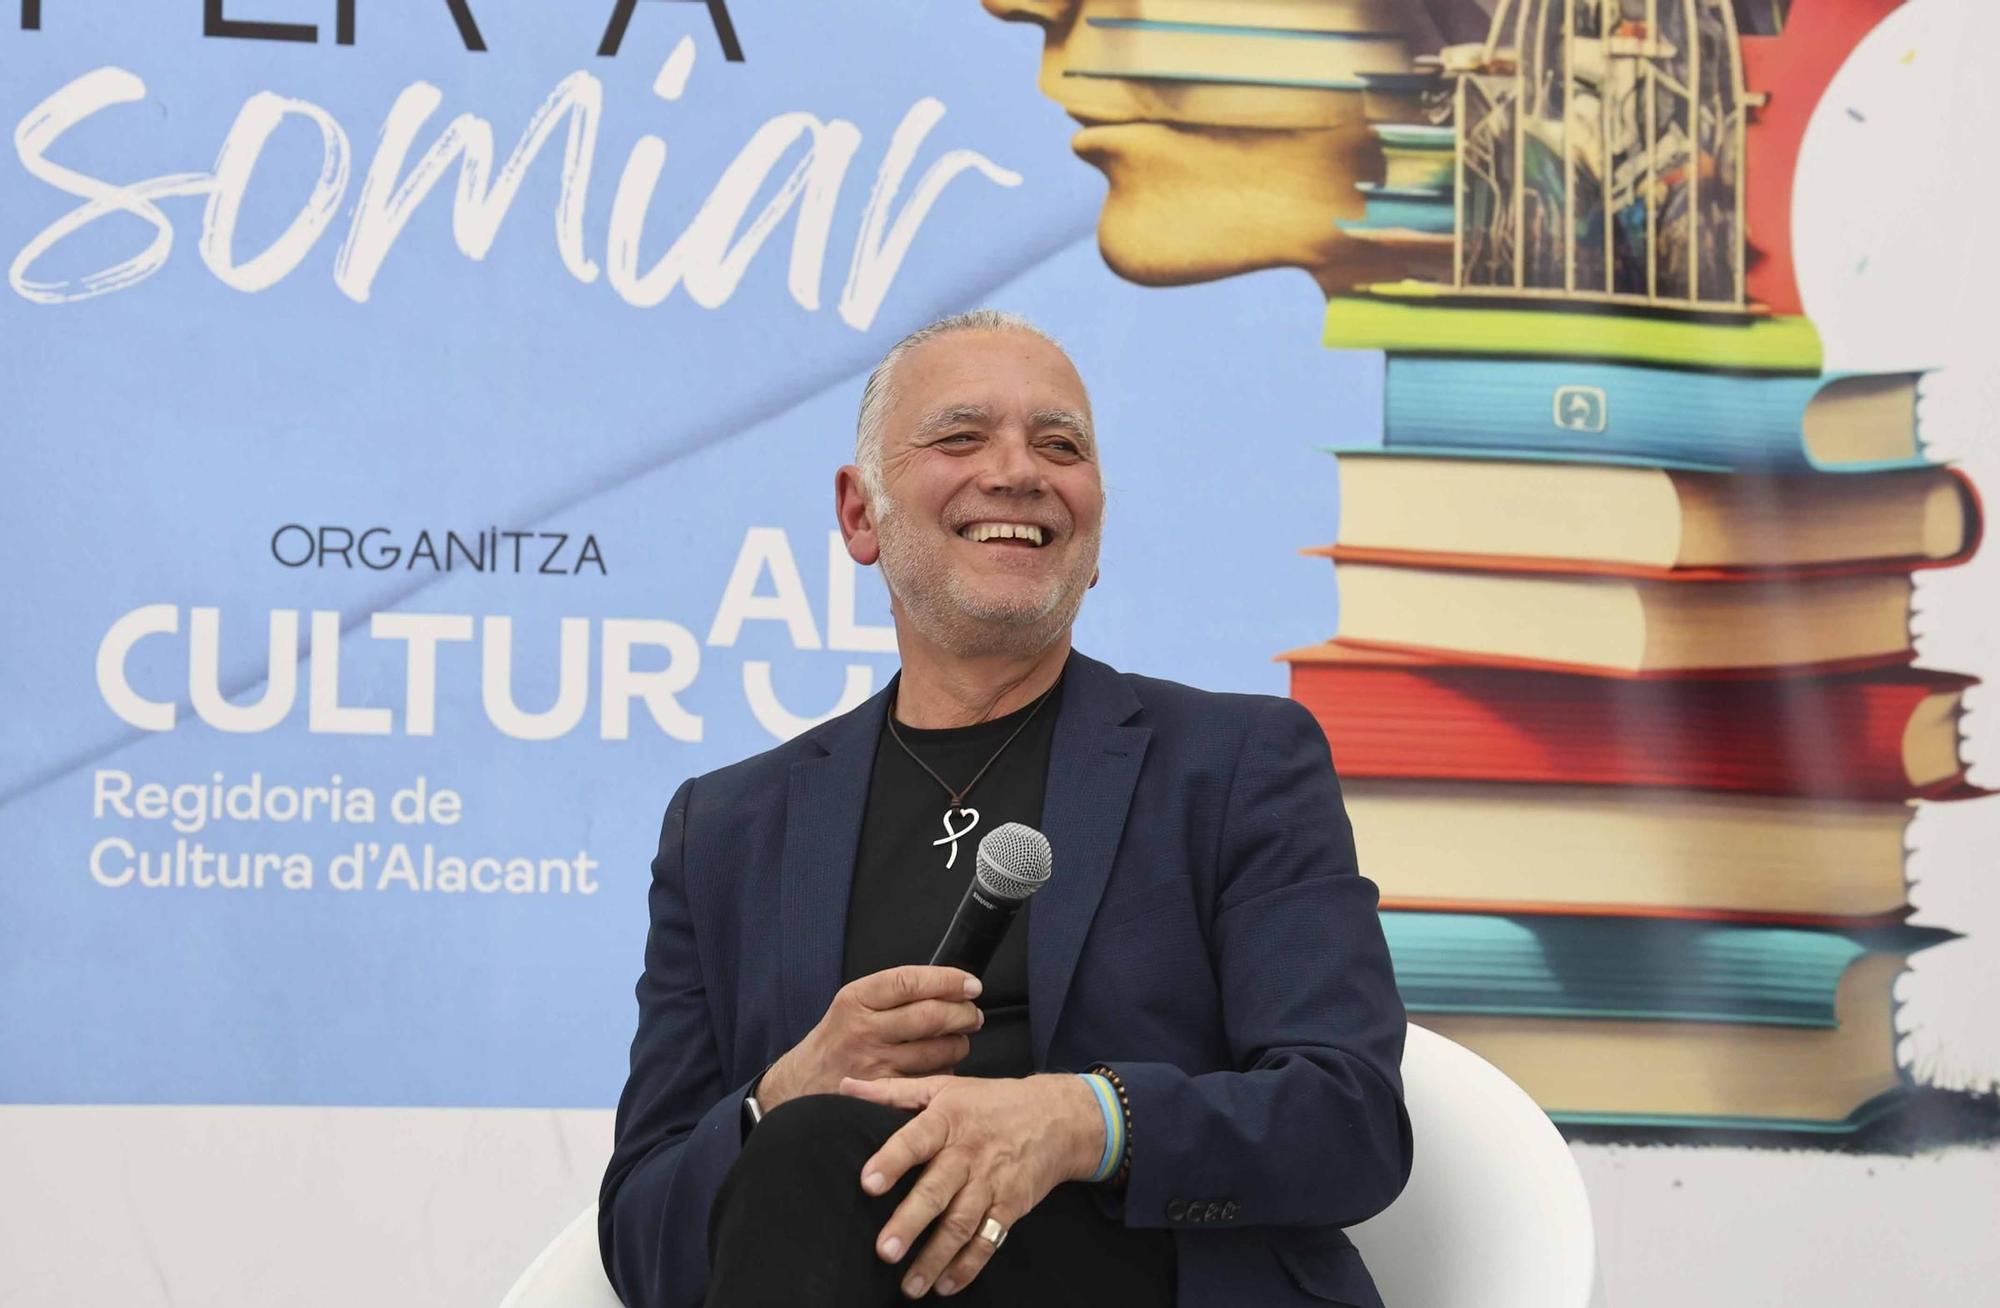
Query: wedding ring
x=992, y=1232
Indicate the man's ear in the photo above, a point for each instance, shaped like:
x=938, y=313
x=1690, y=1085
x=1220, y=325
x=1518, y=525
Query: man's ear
x=856, y=516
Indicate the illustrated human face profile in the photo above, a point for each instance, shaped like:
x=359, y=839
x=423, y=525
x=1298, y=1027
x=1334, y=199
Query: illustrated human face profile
x=1233, y=132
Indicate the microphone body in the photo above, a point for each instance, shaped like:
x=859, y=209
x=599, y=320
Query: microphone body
x=975, y=931
x=1014, y=862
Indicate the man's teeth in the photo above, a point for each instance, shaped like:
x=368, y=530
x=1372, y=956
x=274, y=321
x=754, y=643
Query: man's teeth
x=984, y=531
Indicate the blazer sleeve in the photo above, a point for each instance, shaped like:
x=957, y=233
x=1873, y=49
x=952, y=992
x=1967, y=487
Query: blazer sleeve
x=1311, y=1130
x=678, y=1127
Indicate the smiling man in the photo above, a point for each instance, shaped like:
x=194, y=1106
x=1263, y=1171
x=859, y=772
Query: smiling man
x=1178, y=1077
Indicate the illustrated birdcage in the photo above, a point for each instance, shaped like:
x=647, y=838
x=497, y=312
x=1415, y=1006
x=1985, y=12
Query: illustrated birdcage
x=1601, y=153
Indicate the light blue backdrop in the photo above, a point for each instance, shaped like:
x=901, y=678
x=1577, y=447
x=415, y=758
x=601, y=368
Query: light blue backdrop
x=158, y=435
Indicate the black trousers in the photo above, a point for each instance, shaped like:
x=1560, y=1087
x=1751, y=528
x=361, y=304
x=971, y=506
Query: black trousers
x=792, y=1228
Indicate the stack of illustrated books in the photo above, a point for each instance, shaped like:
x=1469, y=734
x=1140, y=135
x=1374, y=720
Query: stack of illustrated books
x=1623, y=693
x=1623, y=701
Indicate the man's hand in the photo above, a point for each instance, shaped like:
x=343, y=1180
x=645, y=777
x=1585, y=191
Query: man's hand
x=907, y=1021
x=993, y=1148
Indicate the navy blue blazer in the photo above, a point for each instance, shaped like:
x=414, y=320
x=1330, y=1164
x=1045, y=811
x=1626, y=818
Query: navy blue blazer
x=1205, y=932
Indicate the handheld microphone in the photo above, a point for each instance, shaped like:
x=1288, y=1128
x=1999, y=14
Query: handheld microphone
x=1014, y=862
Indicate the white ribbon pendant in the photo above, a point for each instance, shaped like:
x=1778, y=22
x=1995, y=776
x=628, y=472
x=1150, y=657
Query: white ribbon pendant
x=951, y=835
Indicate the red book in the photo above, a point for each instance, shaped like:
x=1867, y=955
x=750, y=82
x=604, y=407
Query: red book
x=1888, y=733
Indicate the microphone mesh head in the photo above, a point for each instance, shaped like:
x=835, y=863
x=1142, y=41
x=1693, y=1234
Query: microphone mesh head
x=1014, y=862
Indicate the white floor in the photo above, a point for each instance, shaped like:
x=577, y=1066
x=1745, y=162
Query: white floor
x=337, y=1208
x=301, y=1207
x=1733, y=1226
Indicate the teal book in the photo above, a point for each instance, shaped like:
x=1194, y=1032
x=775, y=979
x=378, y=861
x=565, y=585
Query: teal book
x=1581, y=411
x=1416, y=136
x=1405, y=208
x=1418, y=155
x=1655, y=1022
x=1631, y=968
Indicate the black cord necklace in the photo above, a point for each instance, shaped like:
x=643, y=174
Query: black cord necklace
x=958, y=797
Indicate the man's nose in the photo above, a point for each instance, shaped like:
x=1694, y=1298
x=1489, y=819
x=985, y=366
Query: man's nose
x=1011, y=469
x=1049, y=13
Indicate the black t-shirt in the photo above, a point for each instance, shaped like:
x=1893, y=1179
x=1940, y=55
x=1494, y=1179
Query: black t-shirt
x=907, y=884
x=915, y=861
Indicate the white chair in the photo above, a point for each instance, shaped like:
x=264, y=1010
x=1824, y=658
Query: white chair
x=567, y=1274
x=1495, y=1214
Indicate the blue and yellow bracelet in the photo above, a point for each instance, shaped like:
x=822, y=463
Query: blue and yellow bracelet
x=1108, y=1103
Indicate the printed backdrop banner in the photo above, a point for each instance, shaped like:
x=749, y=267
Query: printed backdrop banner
x=422, y=424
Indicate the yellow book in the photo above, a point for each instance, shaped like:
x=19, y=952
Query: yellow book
x=1271, y=64
x=1655, y=518
x=1421, y=318
x=1213, y=104
x=1475, y=847
x=1701, y=1073
x=1309, y=16
x=1238, y=52
x=1418, y=169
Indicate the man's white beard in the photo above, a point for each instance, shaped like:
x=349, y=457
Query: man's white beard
x=946, y=612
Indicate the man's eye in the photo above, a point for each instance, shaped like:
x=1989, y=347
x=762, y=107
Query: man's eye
x=957, y=437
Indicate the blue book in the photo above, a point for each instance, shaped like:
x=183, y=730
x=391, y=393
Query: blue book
x=1590, y=412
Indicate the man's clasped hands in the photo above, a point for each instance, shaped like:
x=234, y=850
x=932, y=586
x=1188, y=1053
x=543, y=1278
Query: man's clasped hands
x=989, y=1146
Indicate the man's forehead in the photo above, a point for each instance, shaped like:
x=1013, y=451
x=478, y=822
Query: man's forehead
x=990, y=378
x=979, y=359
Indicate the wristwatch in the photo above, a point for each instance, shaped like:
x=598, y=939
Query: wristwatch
x=753, y=1108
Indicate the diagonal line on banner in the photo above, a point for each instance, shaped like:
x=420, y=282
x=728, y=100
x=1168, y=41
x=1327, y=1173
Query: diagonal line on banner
x=725, y=427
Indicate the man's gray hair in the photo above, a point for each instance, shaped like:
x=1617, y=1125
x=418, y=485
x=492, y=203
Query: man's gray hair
x=880, y=393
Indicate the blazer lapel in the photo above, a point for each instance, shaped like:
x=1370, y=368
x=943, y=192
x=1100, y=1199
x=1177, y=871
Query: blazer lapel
x=822, y=834
x=1093, y=767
